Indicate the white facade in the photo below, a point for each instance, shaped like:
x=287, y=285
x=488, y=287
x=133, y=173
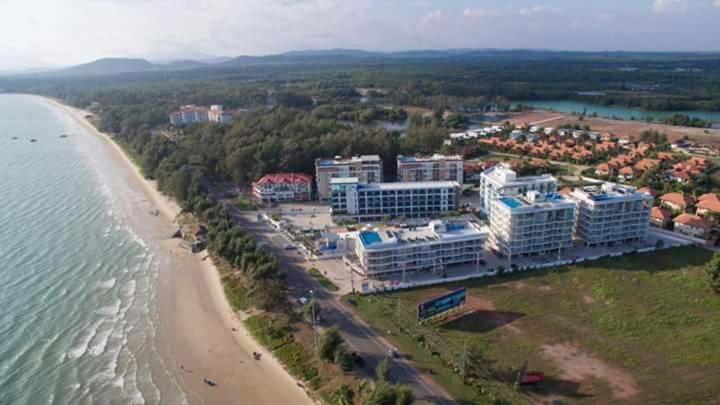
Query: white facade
x=501, y=181
x=366, y=168
x=369, y=202
x=430, y=168
x=191, y=114
x=611, y=214
x=534, y=224
x=392, y=251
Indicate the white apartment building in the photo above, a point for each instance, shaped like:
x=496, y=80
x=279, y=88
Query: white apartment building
x=366, y=168
x=430, y=168
x=611, y=214
x=440, y=244
x=501, y=181
x=351, y=198
x=191, y=114
x=533, y=224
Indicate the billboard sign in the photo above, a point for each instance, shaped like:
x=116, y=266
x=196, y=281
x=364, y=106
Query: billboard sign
x=441, y=304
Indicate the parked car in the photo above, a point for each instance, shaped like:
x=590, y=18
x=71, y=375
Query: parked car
x=289, y=246
x=302, y=300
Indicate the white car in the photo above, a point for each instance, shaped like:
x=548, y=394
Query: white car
x=302, y=300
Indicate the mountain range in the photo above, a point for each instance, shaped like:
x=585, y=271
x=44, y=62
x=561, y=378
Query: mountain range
x=112, y=66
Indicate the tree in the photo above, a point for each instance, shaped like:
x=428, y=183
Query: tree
x=343, y=358
x=329, y=342
x=307, y=310
x=712, y=268
x=383, y=370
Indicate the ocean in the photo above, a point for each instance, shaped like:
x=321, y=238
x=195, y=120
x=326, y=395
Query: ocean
x=77, y=284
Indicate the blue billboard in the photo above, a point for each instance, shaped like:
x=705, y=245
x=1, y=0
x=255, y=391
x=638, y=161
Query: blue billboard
x=441, y=304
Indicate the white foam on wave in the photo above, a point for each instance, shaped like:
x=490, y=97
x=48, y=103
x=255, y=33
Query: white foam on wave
x=81, y=348
x=110, y=310
x=107, y=284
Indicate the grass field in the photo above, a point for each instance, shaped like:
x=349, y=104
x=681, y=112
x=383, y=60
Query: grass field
x=322, y=280
x=641, y=328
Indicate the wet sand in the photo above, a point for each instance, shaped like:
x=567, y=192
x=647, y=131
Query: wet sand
x=199, y=336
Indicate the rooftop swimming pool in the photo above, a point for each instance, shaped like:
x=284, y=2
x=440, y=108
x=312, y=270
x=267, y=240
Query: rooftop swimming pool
x=511, y=202
x=368, y=238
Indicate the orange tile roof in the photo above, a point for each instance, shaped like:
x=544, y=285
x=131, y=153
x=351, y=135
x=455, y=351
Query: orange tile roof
x=660, y=213
x=693, y=220
x=678, y=199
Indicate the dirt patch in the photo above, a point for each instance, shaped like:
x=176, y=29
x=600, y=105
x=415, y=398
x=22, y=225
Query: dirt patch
x=588, y=299
x=545, y=288
x=486, y=309
x=519, y=285
x=618, y=127
x=579, y=366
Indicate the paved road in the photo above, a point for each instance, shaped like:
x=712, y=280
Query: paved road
x=358, y=335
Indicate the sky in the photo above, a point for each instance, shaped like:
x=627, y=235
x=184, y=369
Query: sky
x=52, y=33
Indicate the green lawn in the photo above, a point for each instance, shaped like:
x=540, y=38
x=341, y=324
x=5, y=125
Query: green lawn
x=322, y=280
x=640, y=328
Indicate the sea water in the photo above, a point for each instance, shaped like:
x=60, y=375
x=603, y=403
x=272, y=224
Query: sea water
x=77, y=303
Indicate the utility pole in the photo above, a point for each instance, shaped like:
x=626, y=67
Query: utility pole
x=314, y=322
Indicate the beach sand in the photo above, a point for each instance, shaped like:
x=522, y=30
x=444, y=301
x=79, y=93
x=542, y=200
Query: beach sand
x=199, y=336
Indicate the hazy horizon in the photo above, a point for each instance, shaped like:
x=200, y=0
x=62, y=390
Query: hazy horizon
x=44, y=33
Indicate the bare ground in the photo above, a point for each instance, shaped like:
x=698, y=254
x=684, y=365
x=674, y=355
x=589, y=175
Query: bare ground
x=578, y=366
x=618, y=127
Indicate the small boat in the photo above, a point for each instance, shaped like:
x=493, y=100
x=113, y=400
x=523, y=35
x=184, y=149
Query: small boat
x=209, y=382
x=14, y=138
x=33, y=140
x=64, y=136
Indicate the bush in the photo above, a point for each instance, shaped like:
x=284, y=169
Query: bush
x=329, y=342
x=342, y=396
x=712, y=268
x=344, y=359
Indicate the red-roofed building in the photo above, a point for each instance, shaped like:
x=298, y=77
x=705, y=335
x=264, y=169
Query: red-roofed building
x=646, y=164
x=648, y=190
x=692, y=225
x=676, y=201
x=660, y=217
x=283, y=187
x=708, y=203
x=628, y=173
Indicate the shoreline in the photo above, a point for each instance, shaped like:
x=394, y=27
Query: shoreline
x=200, y=336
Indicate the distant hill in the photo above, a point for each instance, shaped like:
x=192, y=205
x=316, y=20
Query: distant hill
x=107, y=66
x=339, y=56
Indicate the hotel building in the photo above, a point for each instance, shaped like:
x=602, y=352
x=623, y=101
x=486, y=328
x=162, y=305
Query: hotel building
x=366, y=168
x=430, y=168
x=191, y=114
x=533, y=224
x=282, y=187
x=392, y=251
x=500, y=181
x=611, y=214
x=350, y=198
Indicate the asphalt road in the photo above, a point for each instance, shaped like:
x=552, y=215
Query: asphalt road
x=358, y=335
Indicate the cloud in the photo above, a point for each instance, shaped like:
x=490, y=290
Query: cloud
x=431, y=16
x=534, y=10
x=525, y=11
x=716, y=3
x=482, y=12
x=666, y=6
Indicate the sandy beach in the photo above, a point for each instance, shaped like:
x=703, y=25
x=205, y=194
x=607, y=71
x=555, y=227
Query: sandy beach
x=199, y=334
